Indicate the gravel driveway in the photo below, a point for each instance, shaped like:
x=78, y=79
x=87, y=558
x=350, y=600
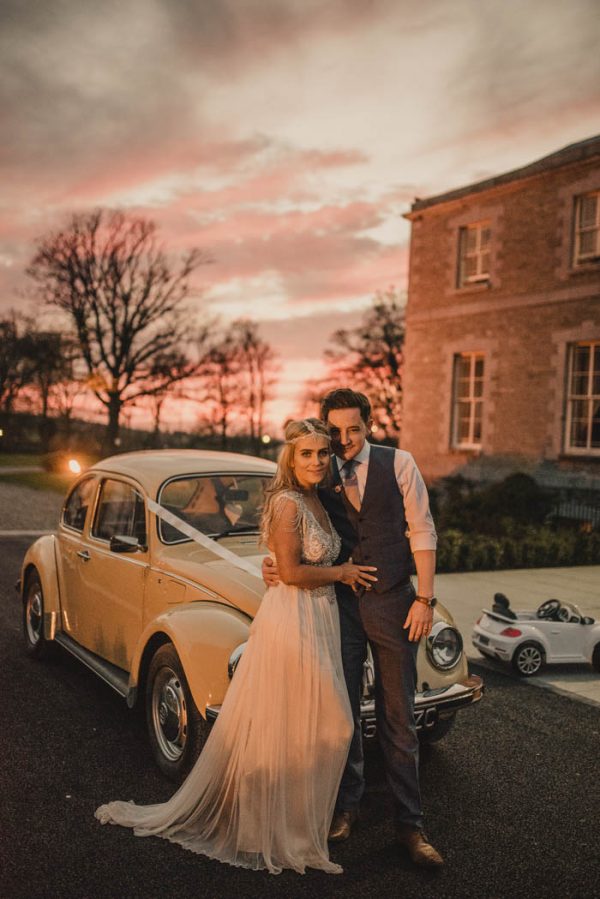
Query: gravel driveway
x=23, y=508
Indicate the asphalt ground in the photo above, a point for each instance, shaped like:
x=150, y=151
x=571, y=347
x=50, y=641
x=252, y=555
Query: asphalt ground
x=512, y=797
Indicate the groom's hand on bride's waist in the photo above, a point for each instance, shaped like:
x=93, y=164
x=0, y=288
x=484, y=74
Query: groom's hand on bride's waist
x=270, y=572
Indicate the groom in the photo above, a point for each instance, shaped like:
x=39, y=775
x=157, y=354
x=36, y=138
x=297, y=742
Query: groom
x=378, y=504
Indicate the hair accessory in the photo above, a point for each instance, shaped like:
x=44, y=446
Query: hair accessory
x=312, y=432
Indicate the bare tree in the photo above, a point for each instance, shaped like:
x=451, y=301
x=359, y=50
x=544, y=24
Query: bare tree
x=16, y=369
x=258, y=367
x=370, y=358
x=125, y=300
x=219, y=387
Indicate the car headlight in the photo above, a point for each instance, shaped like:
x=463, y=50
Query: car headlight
x=234, y=659
x=444, y=646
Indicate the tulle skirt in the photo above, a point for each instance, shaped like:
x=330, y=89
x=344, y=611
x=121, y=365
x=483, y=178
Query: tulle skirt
x=263, y=790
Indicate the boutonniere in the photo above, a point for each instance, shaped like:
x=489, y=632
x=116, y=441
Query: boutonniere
x=338, y=488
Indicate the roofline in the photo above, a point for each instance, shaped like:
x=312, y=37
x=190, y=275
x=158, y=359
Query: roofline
x=578, y=152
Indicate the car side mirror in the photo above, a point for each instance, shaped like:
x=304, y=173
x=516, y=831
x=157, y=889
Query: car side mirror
x=124, y=544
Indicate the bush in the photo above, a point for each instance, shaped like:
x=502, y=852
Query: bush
x=532, y=547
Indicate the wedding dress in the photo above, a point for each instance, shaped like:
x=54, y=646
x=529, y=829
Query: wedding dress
x=263, y=790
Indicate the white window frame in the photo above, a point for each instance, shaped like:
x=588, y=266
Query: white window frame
x=588, y=397
x=481, y=274
x=593, y=255
x=472, y=399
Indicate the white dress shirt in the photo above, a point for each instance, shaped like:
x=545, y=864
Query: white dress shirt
x=421, y=529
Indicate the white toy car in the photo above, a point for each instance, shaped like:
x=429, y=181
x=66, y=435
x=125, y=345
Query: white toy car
x=557, y=632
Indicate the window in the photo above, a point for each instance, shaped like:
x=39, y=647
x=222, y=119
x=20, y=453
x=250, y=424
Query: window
x=120, y=512
x=587, y=227
x=467, y=400
x=214, y=504
x=474, y=254
x=583, y=403
x=76, y=506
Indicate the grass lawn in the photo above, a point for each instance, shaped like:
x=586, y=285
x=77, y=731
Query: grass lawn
x=13, y=460
x=40, y=480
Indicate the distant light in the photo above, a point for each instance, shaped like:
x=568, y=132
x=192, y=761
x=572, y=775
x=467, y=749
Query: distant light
x=265, y=438
x=74, y=466
x=374, y=428
x=1, y=432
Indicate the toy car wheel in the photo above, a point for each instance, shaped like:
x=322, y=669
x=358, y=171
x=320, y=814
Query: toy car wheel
x=36, y=644
x=528, y=659
x=176, y=729
x=596, y=657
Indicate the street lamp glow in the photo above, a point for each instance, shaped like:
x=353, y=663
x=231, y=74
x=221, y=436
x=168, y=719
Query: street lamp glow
x=74, y=466
x=265, y=439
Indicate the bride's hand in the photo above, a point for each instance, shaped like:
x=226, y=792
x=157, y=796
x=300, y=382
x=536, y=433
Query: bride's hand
x=357, y=575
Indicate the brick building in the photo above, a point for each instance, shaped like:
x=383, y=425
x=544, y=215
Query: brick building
x=502, y=367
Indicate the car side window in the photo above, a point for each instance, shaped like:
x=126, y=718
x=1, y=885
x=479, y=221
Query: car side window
x=78, y=501
x=120, y=512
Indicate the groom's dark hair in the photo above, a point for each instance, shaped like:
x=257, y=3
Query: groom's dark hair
x=344, y=398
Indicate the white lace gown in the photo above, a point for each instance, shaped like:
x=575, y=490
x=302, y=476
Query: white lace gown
x=263, y=791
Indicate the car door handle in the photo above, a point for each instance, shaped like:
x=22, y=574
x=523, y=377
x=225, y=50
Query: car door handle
x=84, y=554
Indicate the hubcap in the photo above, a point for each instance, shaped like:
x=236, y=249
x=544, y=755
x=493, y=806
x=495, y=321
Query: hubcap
x=530, y=660
x=34, y=616
x=169, y=714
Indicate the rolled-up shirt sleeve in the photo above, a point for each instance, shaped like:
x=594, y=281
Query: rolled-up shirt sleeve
x=421, y=529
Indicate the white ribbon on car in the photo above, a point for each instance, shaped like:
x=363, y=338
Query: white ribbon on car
x=198, y=537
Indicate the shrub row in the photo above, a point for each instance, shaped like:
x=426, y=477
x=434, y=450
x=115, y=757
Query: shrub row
x=533, y=547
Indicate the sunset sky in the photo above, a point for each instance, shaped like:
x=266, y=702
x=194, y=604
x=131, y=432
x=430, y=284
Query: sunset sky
x=285, y=137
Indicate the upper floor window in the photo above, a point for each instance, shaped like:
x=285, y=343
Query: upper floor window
x=467, y=400
x=587, y=227
x=474, y=254
x=583, y=403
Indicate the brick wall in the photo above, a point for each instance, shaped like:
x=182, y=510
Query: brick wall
x=534, y=306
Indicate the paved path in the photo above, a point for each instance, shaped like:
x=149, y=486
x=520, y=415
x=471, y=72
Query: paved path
x=465, y=595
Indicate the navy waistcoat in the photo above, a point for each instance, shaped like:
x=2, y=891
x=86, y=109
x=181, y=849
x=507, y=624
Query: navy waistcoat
x=375, y=534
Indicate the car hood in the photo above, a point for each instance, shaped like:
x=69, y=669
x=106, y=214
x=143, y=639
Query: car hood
x=218, y=576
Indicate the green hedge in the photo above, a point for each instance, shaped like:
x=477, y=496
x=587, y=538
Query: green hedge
x=531, y=547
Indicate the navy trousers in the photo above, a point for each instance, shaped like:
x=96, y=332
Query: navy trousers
x=379, y=618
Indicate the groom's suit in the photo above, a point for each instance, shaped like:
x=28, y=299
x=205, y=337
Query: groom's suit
x=393, y=520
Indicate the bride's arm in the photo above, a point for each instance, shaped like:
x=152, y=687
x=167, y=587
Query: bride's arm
x=286, y=542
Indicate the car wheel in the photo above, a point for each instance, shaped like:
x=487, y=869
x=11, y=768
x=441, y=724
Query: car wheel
x=36, y=644
x=528, y=659
x=176, y=729
x=596, y=657
x=439, y=730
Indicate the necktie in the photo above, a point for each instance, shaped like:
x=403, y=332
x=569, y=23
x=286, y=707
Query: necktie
x=350, y=480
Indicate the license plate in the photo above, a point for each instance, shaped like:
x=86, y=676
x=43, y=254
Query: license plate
x=424, y=719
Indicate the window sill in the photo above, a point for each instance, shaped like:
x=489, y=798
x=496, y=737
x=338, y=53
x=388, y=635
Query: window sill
x=580, y=268
x=470, y=448
x=478, y=287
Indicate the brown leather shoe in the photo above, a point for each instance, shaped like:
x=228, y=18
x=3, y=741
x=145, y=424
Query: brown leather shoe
x=342, y=825
x=419, y=848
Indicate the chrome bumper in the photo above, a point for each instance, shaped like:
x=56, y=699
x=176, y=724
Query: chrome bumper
x=430, y=705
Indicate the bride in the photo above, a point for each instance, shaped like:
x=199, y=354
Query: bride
x=262, y=792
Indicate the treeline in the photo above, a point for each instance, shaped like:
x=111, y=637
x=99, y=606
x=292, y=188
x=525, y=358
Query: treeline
x=128, y=337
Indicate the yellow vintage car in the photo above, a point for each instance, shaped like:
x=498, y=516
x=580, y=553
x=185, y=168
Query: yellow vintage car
x=131, y=586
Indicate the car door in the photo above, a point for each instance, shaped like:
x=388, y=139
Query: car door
x=73, y=554
x=567, y=641
x=112, y=583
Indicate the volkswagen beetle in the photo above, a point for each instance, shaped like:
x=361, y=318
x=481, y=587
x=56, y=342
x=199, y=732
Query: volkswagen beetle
x=152, y=580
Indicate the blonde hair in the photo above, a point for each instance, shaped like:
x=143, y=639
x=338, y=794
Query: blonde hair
x=285, y=477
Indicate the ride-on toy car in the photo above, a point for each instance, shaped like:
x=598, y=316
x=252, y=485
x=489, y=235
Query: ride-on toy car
x=153, y=579
x=556, y=632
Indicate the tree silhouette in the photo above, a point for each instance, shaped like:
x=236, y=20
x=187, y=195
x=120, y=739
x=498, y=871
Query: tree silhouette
x=125, y=301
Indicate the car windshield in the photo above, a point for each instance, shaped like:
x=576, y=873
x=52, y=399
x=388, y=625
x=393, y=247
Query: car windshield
x=215, y=504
